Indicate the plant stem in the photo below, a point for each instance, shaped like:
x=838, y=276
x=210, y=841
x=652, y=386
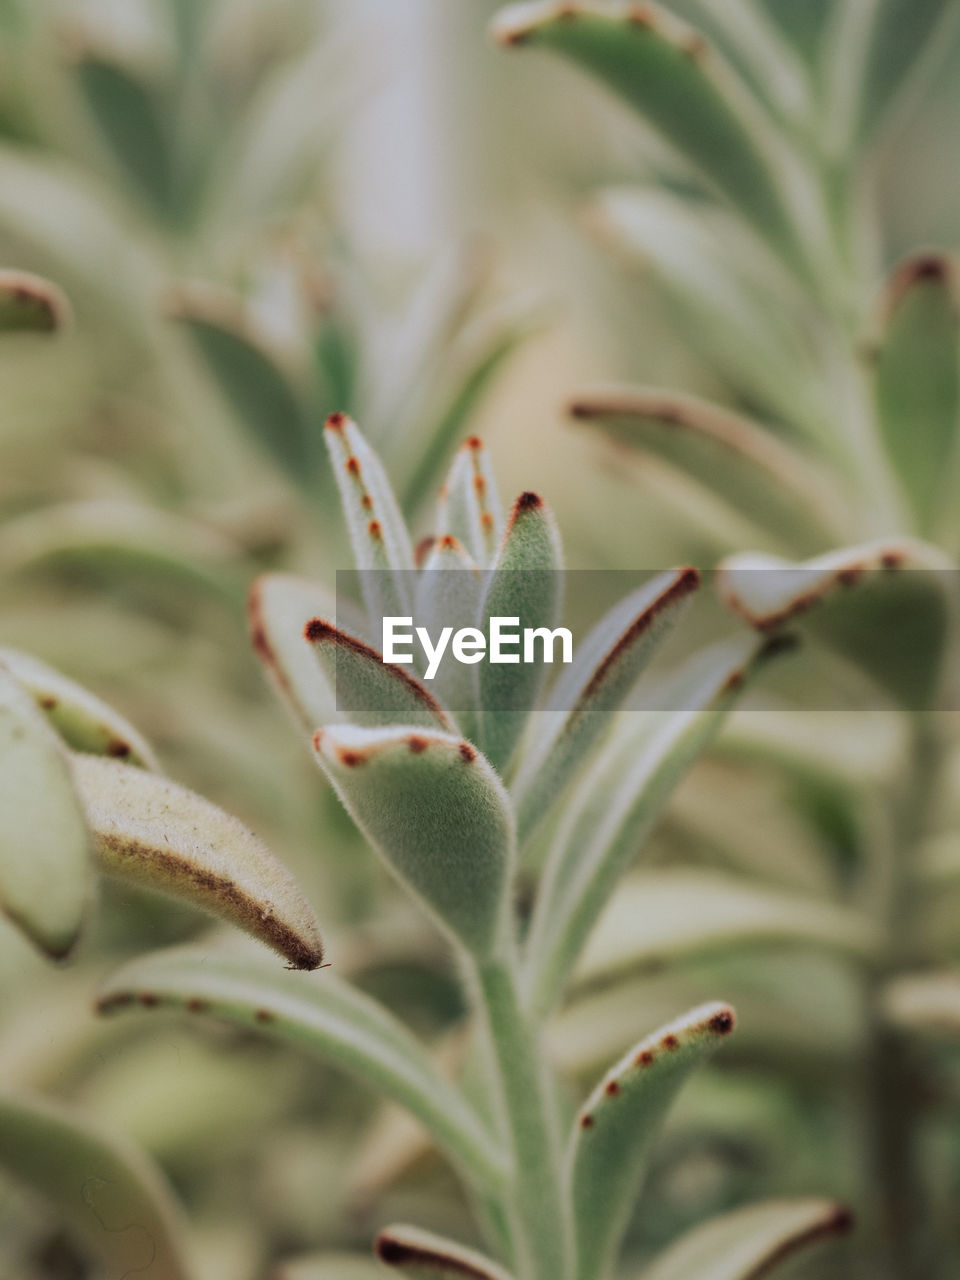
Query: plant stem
x=892, y=1086
x=536, y=1205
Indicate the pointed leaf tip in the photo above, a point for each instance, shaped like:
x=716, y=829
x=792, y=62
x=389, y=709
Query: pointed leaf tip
x=30, y=304
x=423, y=1255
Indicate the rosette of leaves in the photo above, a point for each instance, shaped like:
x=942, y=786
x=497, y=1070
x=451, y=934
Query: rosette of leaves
x=837, y=454
x=452, y=781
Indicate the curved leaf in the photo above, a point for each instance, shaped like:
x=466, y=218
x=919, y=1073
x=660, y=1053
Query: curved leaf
x=30, y=304
x=279, y=607
x=436, y=811
x=524, y=583
x=449, y=592
x=381, y=544
x=83, y=721
x=751, y=1242
x=618, y=1122
x=469, y=508
x=323, y=1015
x=106, y=1192
x=617, y=802
x=45, y=865
x=368, y=690
x=682, y=86
x=663, y=916
x=263, y=395
x=917, y=381
x=159, y=835
x=601, y=677
x=425, y=1256
x=736, y=459
x=134, y=119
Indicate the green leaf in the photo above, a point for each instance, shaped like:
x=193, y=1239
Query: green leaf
x=368, y=690
x=425, y=1256
x=892, y=625
x=322, y=1015
x=279, y=607
x=728, y=300
x=262, y=393
x=902, y=36
x=145, y=544
x=928, y=1003
x=605, y=670
x=617, y=802
x=469, y=508
x=683, y=87
x=449, y=593
x=30, y=304
x=618, y=1122
x=524, y=583
x=134, y=119
x=381, y=544
x=83, y=721
x=917, y=382
x=45, y=865
x=659, y=917
x=105, y=1191
x=738, y=460
x=158, y=835
x=436, y=811
x=750, y=1242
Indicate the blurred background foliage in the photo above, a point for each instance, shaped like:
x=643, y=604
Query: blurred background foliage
x=262, y=211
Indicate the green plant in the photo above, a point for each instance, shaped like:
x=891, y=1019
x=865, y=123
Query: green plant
x=553, y=1183
x=769, y=248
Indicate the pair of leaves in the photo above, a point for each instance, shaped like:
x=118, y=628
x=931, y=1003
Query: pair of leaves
x=60, y=807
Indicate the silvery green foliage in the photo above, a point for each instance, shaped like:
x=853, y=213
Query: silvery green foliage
x=440, y=807
x=847, y=466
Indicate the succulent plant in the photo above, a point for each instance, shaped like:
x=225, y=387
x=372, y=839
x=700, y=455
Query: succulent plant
x=843, y=431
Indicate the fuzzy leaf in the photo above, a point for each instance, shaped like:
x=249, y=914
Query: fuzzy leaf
x=279, y=606
x=736, y=459
x=917, y=381
x=83, y=721
x=133, y=118
x=157, y=834
x=30, y=304
x=425, y=1256
x=378, y=535
x=469, y=508
x=524, y=583
x=431, y=805
x=892, y=625
x=322, y=1015
x=925, y=1002
x=682, y=86
x=45, y=864
x=663, y=916
x=604, y=671
x=619, y=799
x=750, y=1242
x=368, y=690
x=618, y=1122
x=104, y=1191
x=263, y=395
x=449, y=593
